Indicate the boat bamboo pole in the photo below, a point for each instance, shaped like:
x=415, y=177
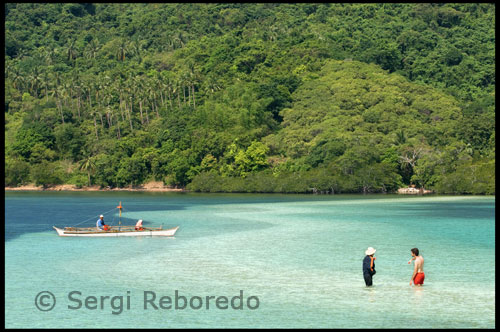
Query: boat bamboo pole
x=120, y=220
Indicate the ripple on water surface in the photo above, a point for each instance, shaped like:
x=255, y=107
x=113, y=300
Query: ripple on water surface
x=300, y=255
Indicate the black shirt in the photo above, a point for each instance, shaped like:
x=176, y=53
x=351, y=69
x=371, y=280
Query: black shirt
x=366, y=265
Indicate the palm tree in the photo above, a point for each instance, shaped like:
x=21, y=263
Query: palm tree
x=58, y=92
x=130, y=91
x=71, y=50
x=21, y=53
x=108, y=117
x=92, y=48
x=400, y=137
x=93, y=113
x=50, y=54
x=100, y=118
x=78, y=89
x=118, y=86
x=130, y=112
x=88, y=165
x=177, y=39
x=193, y=78
x=136, y=48
x=137, y=88
x=45, y=80
x=168, y=85
x=68, y=93
x=272, y=33
x=88, y=85
x=175, y=90
x=186, y=79
x=211, y=85
x=103, y=84
x=17, y=78
x=146, y=110
x=35, y=77
x=8, y=68
x=184, y=82
x=122, y=49
x=151, y=91
x=142, y=94
x=57, y=78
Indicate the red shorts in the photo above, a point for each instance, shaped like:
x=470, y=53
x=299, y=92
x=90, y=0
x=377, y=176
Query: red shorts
x=419, y=278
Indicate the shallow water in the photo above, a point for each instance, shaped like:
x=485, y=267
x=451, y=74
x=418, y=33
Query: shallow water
x=300, y=256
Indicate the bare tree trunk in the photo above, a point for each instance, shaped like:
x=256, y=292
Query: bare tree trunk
x=147, y=116
x=118, y=125
x=102, y=122
x=140, y=108
x=72, y=103
x=60, y=110
x=130, y=114
x=78, y=105
x=194, y=102
x=130, y=120
x=95, y=126
x=121, y=109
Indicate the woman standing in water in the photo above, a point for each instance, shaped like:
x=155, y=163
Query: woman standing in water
x=369, y=266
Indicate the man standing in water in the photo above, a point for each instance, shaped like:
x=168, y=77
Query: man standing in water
x=369, y=266
x=418, y=272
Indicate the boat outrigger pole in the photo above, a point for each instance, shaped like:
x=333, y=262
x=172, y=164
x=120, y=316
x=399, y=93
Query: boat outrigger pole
x=120, y=221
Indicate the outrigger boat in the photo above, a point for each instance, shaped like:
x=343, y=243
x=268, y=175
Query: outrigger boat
x=115, y=230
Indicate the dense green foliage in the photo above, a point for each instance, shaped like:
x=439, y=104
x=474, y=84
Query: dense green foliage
x=251, y=97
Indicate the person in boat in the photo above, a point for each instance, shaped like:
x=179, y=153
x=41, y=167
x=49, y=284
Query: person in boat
x=100, y=223
x=138, y=226
x=369, y=266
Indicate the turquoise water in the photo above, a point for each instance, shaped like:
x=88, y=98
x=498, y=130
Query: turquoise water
x=300, y=256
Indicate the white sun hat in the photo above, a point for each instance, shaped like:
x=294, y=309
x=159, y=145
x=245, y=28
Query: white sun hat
x=370, y=251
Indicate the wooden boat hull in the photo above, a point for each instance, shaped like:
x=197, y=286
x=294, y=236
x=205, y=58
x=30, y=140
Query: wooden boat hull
x=115, y=232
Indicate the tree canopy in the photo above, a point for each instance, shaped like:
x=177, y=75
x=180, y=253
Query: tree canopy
x=252, y=97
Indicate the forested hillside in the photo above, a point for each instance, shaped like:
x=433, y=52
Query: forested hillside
x=245, y=97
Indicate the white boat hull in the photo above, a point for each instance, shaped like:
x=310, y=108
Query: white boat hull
x=96, y=233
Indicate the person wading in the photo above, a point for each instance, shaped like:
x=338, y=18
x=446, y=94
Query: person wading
x=418, y=275
x=369, y=266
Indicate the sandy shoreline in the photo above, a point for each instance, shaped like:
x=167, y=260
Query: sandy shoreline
x=151, y=186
